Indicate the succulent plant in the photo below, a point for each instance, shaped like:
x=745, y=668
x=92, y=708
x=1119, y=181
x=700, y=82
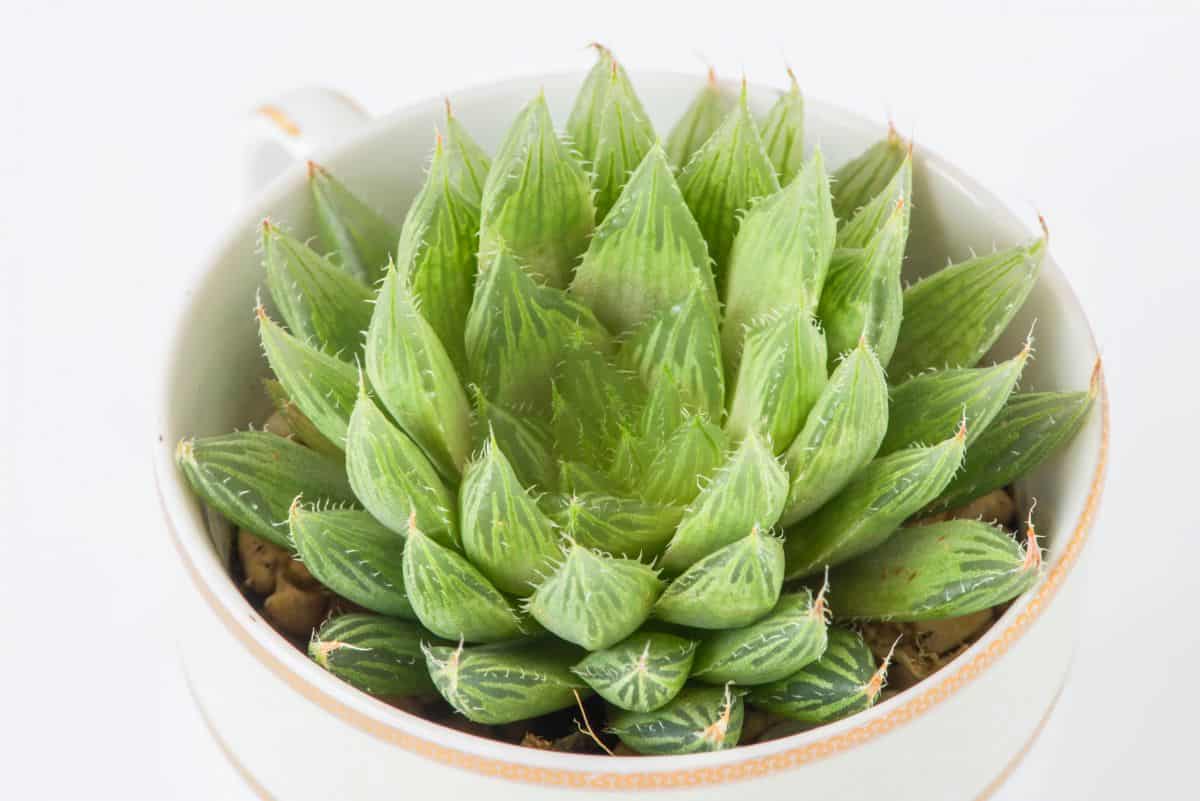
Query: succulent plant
x=601, y=414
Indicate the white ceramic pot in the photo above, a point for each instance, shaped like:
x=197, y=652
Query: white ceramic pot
x=296, y=732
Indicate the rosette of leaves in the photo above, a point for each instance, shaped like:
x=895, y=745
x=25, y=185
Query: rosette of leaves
x=598, y=412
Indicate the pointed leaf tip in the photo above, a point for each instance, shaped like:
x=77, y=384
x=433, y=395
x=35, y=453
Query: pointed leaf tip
x=294, y=509
x=1033, y=552
x=537, y=197
x=820, y=607
x=878, y=679
x=724, y=172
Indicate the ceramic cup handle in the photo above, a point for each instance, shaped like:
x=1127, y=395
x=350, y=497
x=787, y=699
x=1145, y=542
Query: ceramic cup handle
x=293, y=126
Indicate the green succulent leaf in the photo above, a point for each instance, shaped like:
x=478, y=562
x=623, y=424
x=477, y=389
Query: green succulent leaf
x=937, y=571
x=251, y=477
x=664, y=413
x=700, y=120
x=647, y=255
x=466, y=163
x=506, y=682
x=781, y=376
x=623, y=139
x=595, y=600
x=641, y=673
x=781, y=255
x=363, y=241
x=859, y=181
x=863, y=295
x=685, y=338
x=378, y=655
x=723, y=178
x=537, y=200
x=451, y=597
x=526, y=441
x=317, y=300
x=841, y=435
x=697, y=720
x=841, y=682
x=394, y=479
x=593, y=402
x=860, y=229
x=783, y=132
x=583, y=123
x=518, y=331
x=749, y=488
x=693, y=452
x=731, y=587
x=349, y=552
x=790, y=637
x=438, y=253
x=414, y=378
x=628, y=463
x=926, y=405
x=622, y=526
x=322, y=386
x=302, y=428
x=576, y=478
x=873, y=505
x=504, y=532
x=953, y=317
x=1025, y=433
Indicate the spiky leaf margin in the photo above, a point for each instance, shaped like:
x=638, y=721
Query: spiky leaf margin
x=843, y=681
x=723, y=178
x=750, y=487
x=537, y=200
x=731, y=587
x=349, y=552
x=504, y=532
x=252, y=477
x=640, y=673
x=842, y=434
x=938, y=571
x=378, y=655
x=593, y=599
x=362, y=240
x=872, y=505
x=451, y=597
x=778, y=645
x=414, y=378
x=953, y=317
x=697, y=720
x=394, y=479
x=507, y=682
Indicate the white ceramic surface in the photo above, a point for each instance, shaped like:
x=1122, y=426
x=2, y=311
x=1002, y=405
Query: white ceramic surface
x=280, y=716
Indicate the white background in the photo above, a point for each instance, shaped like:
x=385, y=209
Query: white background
x=120, y=158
